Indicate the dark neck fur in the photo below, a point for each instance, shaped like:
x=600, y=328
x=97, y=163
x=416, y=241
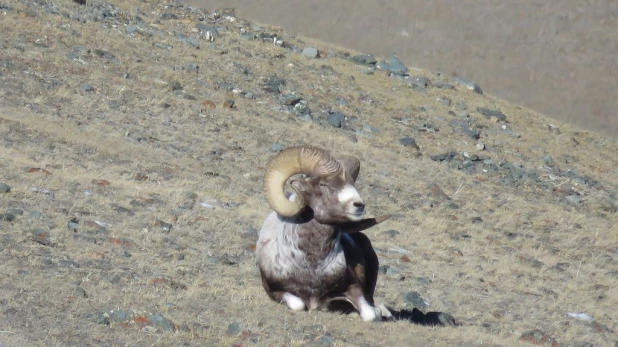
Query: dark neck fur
x=316, y=240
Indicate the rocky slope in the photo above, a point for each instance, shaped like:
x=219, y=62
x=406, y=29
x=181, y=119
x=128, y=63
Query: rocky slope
x=134, y=136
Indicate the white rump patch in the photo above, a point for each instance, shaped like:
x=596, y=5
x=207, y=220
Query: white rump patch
x=293, y=302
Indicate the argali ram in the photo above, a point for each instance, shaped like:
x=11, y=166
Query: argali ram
x=311, y=251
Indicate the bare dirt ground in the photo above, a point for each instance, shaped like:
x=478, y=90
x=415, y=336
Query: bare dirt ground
x=136, y=190
x=559, y=57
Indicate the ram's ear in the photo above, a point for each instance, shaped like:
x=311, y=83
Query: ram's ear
x=351, y=166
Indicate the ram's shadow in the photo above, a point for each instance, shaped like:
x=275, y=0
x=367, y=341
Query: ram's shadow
x=414, y=316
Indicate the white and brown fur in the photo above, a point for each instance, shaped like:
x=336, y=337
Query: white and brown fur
x=320, y=256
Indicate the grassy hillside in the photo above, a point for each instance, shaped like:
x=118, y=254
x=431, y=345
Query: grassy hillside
x=131, y=163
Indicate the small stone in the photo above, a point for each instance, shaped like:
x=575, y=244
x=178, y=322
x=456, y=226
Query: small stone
x=9, y=217
x=463, y=127
x=396, y=66
x=86, y=88
x=538, y=337
x=188, y=40
x=310, y=52
x=370, y=129
x=120, y=316
x=277, y=147
x=233, y=329
x=168, y=16
x=291, y=99
x=365, y=59
x=208, y=29
x=480, y=146
x=4, y=188
x=509, y=131
x=80, y=292
x=382, y=65
x=326, y=341
x=408, y=142
x=130, y=29
x=229, y=103
x=306, y=117
x=392, y=233
x=414, y=299
x=468, y=85
x=341, y=101
x=336, y=119
x=208, y=105
x=273, y=84
x=159, y=321
x=423, y=280
x=461, y=105
x=101, y=53
x=573, y=199
x=41, y=236
x=193, y=67
x=121, y=209
x=102, y=318
x=444, y=100
x=163, y=226
x=489, y=113
x=175, y=86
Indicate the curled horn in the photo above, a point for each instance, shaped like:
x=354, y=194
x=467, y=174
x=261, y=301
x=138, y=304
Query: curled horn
x=310, y=161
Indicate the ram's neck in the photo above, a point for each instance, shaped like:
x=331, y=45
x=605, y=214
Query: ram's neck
x=317, y=240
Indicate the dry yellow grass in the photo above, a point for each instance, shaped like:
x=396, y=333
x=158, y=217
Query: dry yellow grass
x=486, y=279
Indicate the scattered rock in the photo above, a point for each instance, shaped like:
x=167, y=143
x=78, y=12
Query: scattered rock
x=157, y=320
x=463, y=127
x=163, y=226
x=121, y=209
x=310, y=52
x=101, y=53
x=366, y=59
x=392, y=233
x=80, y=292
x=414, y=299
x=86, y=88
x=229, y=103
x=538, y=337
x=233, y=329
x=4, y=188
x=444, y=100
x=489, y=113
x=396, y=66
x=336, y=119
x=409, y=142
x=175, y=86
x=573, y=199
x=277, y=147
x=208, y=105
x=41, y=236
x=273, y=84
x=468, y=85
x=9, y=217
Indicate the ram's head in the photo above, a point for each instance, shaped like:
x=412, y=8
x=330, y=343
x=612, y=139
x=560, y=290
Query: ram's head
x=328, y=190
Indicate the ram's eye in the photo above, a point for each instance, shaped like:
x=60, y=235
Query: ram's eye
x=323, y=184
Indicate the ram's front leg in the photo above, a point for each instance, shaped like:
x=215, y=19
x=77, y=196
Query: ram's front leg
x=367, y=311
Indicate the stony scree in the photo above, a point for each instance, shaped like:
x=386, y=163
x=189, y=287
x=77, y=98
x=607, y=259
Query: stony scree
x=202, y=99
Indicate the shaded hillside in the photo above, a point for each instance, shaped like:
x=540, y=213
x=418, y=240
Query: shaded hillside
x=134, y=137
